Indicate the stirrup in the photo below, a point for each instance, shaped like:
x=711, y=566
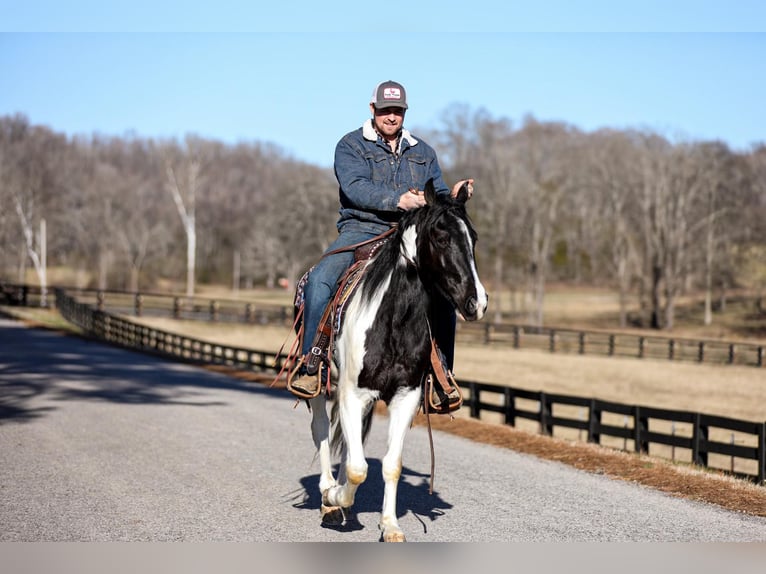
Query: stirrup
x=299, y=392
x=445, y=403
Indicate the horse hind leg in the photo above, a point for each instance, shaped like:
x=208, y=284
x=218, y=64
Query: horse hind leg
x=320, y=432
x=335, y=515
x=353, y=407
x=401, y=411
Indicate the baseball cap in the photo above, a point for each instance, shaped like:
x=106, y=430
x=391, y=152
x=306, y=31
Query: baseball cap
x=389, y=94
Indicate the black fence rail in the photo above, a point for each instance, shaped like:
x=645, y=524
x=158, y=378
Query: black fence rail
x=587, y=416
x=551, y=339
x=637, y=428
x=640, y=346
x=186, y=308
x=24, y=295
x=124, y=333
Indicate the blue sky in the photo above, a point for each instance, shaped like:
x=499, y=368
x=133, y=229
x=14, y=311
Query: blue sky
x=300, y=74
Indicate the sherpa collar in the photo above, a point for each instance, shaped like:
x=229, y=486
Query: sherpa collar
x=369, y=133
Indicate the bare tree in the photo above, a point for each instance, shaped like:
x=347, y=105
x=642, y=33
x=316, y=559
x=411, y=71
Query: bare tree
x=474, y=144
x=544, y=183
x=616, y=207
x=612, y=176
x=298, y=225
x=182, y=168
x=753, y=221
x=31, y=166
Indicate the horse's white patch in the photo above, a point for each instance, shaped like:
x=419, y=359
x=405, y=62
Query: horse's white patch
x=481, y=293
x=409, y=244
x=351, y=343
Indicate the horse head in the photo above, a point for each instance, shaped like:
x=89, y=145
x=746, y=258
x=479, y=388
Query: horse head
x=446, y=250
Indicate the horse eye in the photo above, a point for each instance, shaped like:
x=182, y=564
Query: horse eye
x=441, y=239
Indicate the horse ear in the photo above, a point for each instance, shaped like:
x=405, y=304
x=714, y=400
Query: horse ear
x=462, y=193
x=430, y=192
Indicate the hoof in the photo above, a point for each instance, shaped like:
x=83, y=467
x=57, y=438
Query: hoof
x=394, y=536
x=332, y=515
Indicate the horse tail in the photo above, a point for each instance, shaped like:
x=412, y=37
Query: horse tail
x=337, y=442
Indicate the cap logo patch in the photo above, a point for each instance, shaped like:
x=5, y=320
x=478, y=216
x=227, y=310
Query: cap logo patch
x=392, y=94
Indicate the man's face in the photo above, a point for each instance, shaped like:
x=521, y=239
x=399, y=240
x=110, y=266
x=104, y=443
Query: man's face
x=388, y=121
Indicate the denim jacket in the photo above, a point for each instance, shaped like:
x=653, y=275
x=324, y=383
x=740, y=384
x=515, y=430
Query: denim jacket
x=372, y=177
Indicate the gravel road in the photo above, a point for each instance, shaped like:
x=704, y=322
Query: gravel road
x=103, y=444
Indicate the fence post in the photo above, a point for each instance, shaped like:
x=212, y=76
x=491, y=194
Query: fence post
x=487, y=333
x=139, y=304
x=701, y=352
x=552, y=341
x=671, y=349
x=510, y=406
x=731, y=353
x=641, y=347
x=582, y=343
x=100, y=300
x=760, y=356
x=176, y=307
x=594, y=422
x=640, y=428
x=474, y=400
x=762, y=453
x=214, y=310
x=249, y=313
x=611, y=345
x=98, y=324
x=699, y=441
x=516, y=337
x=546, y=427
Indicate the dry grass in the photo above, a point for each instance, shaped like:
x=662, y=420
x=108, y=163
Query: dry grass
x=678, y=480
x=727, y=390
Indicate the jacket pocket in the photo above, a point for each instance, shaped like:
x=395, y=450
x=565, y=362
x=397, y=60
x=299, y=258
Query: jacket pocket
x=418, y=168
x=380, y=170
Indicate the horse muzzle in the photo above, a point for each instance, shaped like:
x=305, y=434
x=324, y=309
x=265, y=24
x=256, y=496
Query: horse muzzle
x=474, y=308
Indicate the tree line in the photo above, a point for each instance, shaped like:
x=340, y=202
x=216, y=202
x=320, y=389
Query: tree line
x=651, y=217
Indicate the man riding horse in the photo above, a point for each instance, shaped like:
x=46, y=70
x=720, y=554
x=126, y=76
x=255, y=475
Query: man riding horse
x=381, y=170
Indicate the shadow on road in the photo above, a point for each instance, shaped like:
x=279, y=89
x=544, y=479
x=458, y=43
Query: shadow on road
x=412, y=496
x=37, y=363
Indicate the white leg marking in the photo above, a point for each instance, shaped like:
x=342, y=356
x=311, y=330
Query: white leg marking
x=401, y=410
x=320, y=432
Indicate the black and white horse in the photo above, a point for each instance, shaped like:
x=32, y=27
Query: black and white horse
x=383, y=348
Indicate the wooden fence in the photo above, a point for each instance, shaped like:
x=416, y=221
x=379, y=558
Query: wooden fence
x=702, y=435
x=551, y=339
x=640, y=346
x=124, y=333
x=645, y=428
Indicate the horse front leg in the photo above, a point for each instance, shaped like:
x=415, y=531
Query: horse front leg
x=354, y=404
x=402, y=409
x=320, y=432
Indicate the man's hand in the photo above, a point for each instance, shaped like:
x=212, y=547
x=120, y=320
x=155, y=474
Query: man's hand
x=411, y=200
x=456, y=187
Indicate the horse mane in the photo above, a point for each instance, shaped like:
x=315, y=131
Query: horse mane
x=423, y=217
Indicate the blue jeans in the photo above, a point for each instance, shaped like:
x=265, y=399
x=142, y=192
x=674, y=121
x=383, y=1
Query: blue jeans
x=323, y=280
